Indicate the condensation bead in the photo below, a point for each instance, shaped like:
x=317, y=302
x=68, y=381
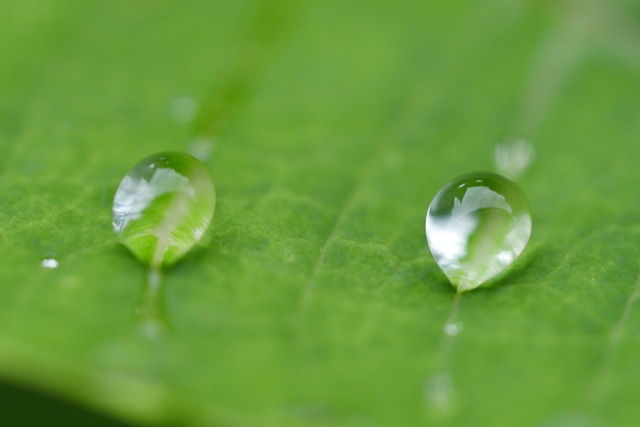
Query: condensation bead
x=477, y=225
x=163, y=207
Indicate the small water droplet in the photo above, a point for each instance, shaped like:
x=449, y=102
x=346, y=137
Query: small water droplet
x=452, y=328
x=184, y=109
x=477, y=225
x=513, y=157
x=202, y=148
x=440, y=396
x=161, y=212
x=49, y=263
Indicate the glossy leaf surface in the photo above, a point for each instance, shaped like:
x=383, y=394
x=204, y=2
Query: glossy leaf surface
x=330, y=125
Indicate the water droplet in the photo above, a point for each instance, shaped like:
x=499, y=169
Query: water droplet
x=184, y=109
x=477, y=225
x=163, y=207
x=452, y=328
x=513, y=157
x=440, y=396
x=49, y=263
x=202, y=148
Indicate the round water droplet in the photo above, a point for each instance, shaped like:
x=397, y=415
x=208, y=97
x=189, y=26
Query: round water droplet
x=184, y=109
x=440, y=396
x=163, y=207
x=49, y=263
x=477, y=225
x=452, y=328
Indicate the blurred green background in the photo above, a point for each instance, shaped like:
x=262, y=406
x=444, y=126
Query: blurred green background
x=328, y=126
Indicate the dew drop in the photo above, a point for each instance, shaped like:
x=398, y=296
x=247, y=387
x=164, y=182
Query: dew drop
x=477, y=225
x=202, y=148
x=163, y=207
x=440, y=395
x=184, y=109
x=513, y=157
x=452, y=328
x=50, y=263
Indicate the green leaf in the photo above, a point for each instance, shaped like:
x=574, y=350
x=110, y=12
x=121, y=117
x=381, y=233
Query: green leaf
x=328, y=127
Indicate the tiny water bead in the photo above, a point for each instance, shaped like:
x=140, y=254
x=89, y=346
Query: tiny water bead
x=163, y=207
x=513, y=157
x=452, y=329
x=50, y=263
x=184, y=109
x=440, y=397
x=477, y=225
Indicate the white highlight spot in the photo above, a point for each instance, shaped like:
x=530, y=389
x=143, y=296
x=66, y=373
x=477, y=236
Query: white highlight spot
x=184, y=109
x=513, y=157
x=439, y=396
x=135, y=194
x=49, y=263
x=202, y=148
x=452, y=328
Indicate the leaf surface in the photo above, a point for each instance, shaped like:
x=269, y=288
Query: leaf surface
x=328, y=127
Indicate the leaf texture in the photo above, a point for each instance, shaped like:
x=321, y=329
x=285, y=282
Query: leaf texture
x=328, y=127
